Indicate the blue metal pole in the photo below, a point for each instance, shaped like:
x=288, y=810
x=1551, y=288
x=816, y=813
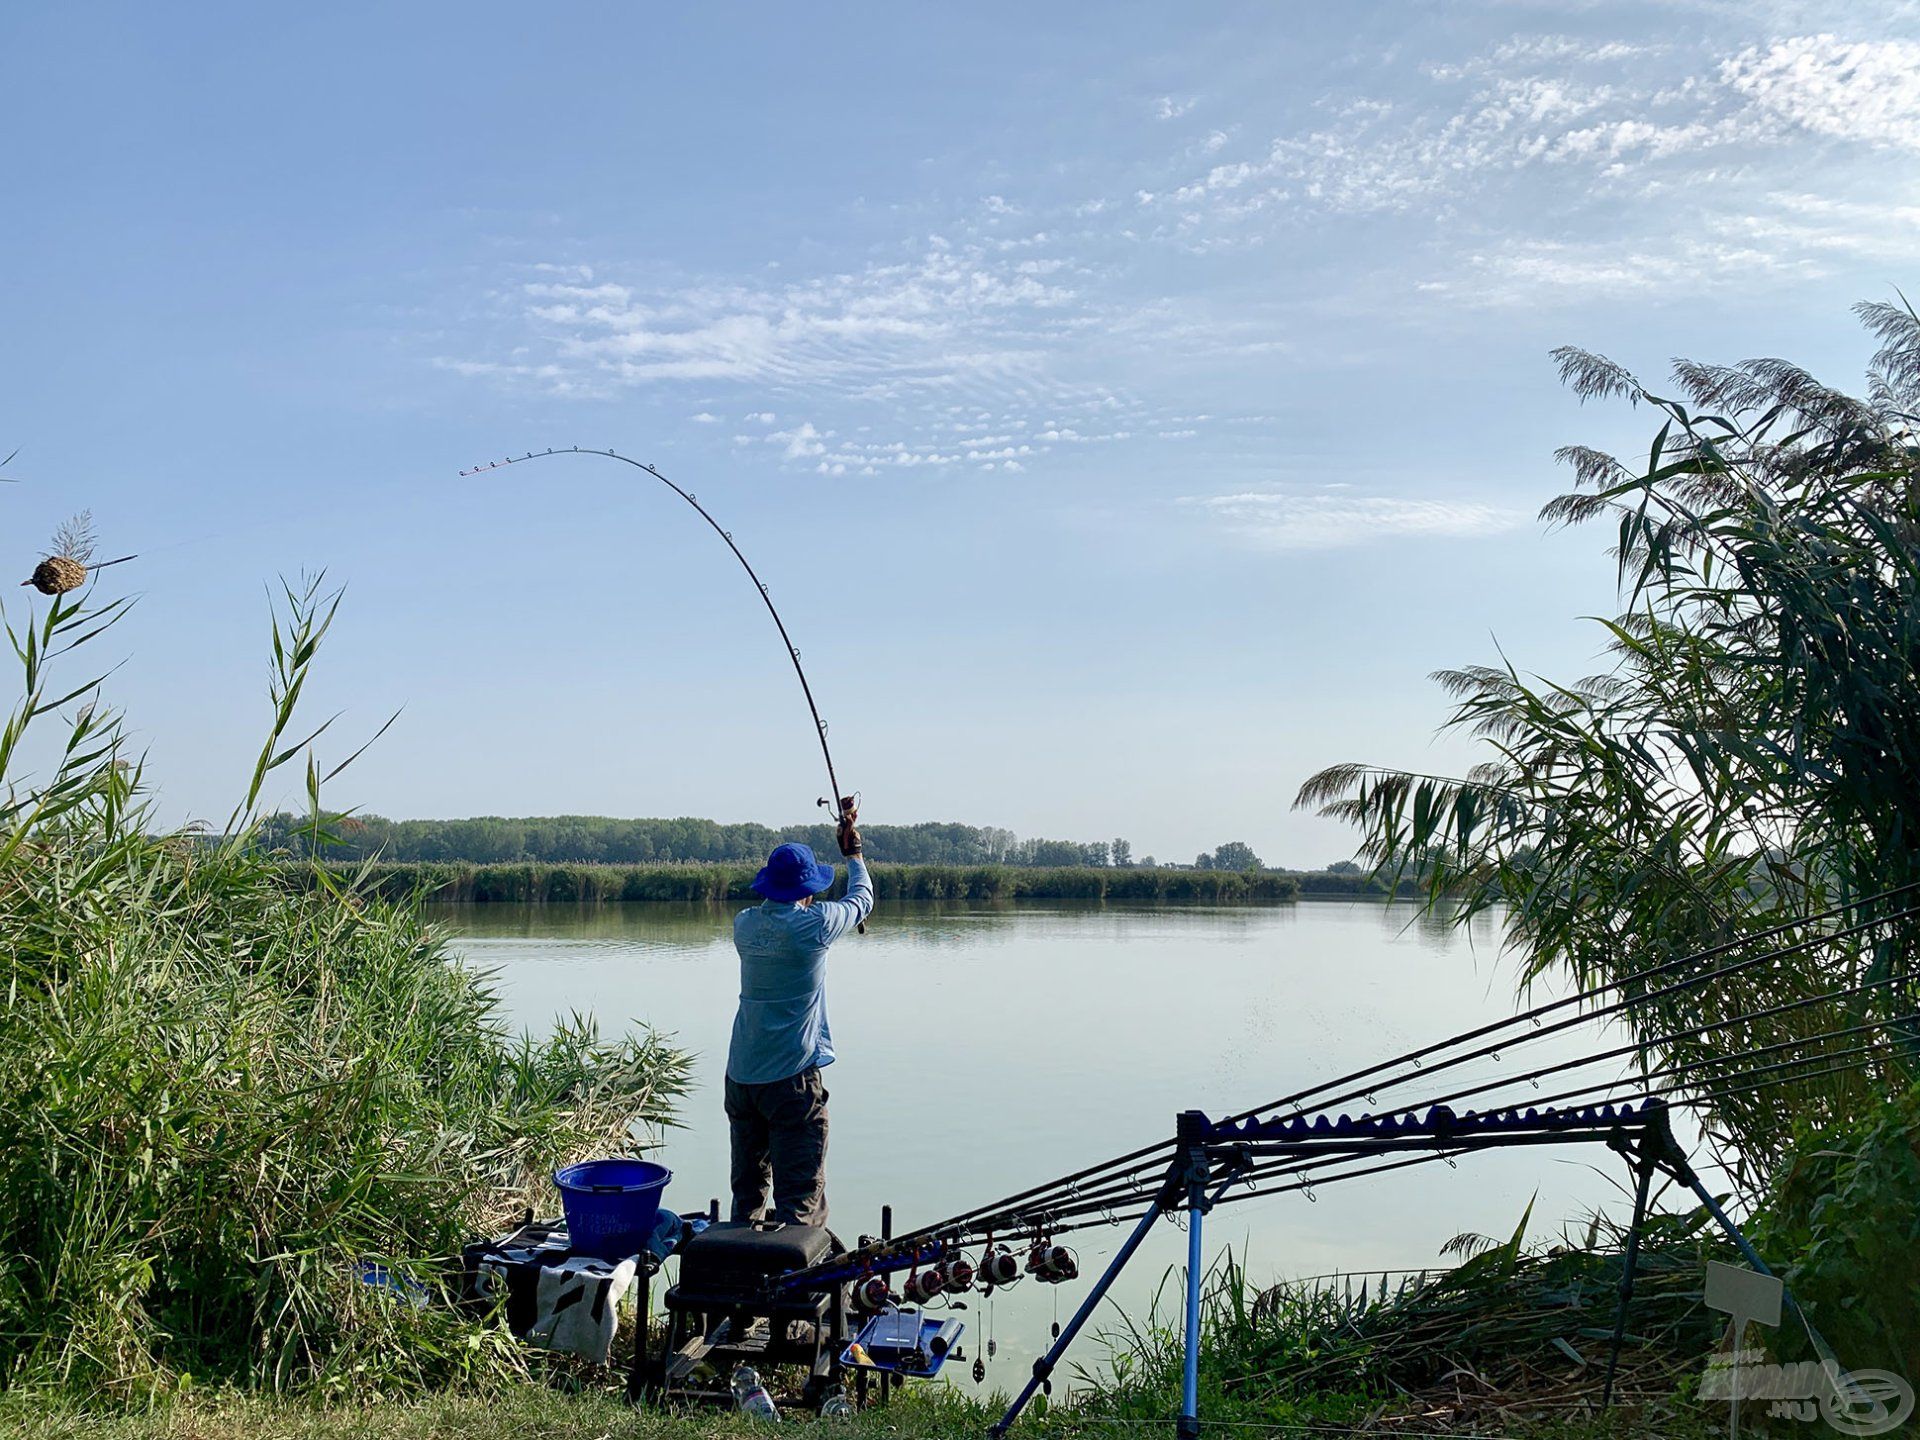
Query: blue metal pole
x=1752, y=1256
x=1188, y=1425
x=1043, y=1367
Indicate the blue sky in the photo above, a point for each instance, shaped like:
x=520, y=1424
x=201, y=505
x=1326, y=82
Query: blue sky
x=1128, y=404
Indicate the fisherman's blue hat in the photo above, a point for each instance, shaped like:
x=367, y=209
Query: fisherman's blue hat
x=791, y=873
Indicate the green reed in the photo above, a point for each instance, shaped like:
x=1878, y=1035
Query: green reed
x=594, y=884
x=224, y=1084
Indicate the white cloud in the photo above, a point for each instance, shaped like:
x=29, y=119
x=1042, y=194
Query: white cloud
x=704, y=418
x=1167, y=107
x=948, y=313
x=1726, y=254
x=1859, y=90
x=802, y=442
x=1276, y=520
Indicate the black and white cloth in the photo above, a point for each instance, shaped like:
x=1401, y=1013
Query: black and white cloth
x=554, y=1298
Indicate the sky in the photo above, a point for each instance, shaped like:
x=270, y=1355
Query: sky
x=1127, y=405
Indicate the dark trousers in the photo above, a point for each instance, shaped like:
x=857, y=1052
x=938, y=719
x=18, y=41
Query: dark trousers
x=779, y=1133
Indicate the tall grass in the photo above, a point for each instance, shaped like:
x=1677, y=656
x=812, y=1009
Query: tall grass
x=570, y=884
x=224, y=1085
x=1513, y=1333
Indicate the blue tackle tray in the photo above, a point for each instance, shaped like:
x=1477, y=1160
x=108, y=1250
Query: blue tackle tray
x=920, y=1363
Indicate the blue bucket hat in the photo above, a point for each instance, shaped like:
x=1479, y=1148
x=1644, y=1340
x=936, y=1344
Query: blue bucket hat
x=791, y=873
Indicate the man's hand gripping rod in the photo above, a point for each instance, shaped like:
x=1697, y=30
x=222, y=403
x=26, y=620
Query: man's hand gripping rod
x=844, y=832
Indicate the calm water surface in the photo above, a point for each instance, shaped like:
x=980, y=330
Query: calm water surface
x=984, y=1049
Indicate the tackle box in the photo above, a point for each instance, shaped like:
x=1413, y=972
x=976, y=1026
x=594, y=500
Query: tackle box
x=732, y=1261
x=905, y=1342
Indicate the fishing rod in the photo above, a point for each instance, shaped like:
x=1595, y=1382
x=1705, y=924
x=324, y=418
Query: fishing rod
x=1676, y=1075
x=1533, y=1016
x=1137, y=1171
x=1539, y=1031
x=1119, y=1193
x=843, y=806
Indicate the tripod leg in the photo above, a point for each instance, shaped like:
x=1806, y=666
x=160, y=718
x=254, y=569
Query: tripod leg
x=1043, y=1367
x=1188, y=1426
x=1630, y=1255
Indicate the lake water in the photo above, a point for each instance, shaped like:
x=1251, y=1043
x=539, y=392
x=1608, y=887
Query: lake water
x=987, y=1048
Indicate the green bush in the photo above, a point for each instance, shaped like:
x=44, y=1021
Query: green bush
x=1846, y=1208
x=225, y=1084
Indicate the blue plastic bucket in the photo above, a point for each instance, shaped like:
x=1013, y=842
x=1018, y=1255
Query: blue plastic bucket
x=611, y=1205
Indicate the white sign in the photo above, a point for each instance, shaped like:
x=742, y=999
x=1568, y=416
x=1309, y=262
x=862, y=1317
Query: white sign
x=1744, y=1294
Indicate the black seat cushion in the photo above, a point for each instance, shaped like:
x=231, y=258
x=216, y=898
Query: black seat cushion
x=740, y=1259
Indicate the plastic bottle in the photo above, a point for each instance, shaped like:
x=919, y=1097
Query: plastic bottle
x=837, y=1405
x=750, y=1397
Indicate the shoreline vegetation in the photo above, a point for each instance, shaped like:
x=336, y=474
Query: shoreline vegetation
x=586, y=884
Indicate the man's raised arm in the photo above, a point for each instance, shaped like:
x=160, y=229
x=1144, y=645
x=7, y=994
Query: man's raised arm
x=840, y=916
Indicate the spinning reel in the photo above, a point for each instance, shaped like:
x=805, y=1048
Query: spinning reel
x=959, y=1275
x=1052, y=1264
x=871, y=1295
x=998, y=1266
x=923, y=1285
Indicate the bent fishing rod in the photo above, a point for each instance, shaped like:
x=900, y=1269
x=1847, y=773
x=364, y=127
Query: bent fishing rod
x=843, y=806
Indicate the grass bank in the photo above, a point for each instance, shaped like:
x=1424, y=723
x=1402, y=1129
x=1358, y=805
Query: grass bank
x=529, y=1410
x=594, y=884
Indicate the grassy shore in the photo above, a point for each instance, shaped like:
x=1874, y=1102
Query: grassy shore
x=533, y=1412
x=592, y=884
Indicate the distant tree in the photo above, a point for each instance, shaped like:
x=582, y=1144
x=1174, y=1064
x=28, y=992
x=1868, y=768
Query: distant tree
x=1122, y=853
x=1203, y=861
x=1149, y=862
x=1236, y=855
x=1343, y=867
x=594, y=839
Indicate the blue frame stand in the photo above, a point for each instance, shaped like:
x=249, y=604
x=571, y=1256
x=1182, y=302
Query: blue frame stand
x=1187, y=1180
x=1211, y=1156
x=1199, y=1170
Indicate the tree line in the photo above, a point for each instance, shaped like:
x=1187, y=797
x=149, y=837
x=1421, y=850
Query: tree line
x=603, y=840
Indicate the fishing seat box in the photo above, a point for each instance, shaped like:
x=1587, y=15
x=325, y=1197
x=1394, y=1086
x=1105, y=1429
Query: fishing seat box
x=734, y=1262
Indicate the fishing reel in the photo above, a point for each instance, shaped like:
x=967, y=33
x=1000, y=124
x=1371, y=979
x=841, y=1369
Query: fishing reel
x=959, y=1275
x=998, y=1266
x=923, y=1285
x=1052, y=1264
x=871, y=1295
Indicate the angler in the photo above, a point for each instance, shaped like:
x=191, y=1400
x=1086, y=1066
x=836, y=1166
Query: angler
x=776, y=1103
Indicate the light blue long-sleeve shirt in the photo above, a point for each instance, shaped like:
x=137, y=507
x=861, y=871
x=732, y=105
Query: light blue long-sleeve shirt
x=781, y=1027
